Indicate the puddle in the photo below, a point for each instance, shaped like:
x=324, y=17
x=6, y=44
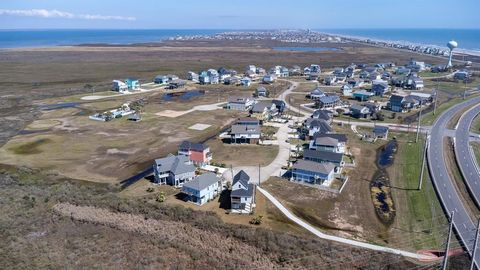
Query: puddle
x=58, y=106
x=386, y=154
x=183, y=95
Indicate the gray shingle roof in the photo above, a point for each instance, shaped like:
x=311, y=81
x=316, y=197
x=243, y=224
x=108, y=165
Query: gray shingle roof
x=237, y=99
x=260, y=106
x=339, y=137
x=186, y=145
x=323, y=155
x=322, y=114
x=245, y=129
x=241, y=177
x=324, y=168
x=326, y=141
x=322, y=125
x=175, y=164
x=243, y=192
x=202, y=181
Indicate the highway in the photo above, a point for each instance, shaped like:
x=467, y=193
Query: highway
x=464, y=154
x=444, y=185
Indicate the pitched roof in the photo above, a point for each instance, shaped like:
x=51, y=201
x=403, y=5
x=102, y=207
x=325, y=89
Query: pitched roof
x=193, y=146
x=202, y=181
x=248, y=119
x=260, y=106
x=326, y=141
x=317, y=92
x=245, y=129
x=322, y=125
x=397, y=99
x=380, y=129
x=175, y=164
x=307, y=165
x=241, y=177
x=322, y=114
x=323, y=155
x=339, y=137
x=237, y=99
x=356, y=107
x=329, y=99
x=243, y=192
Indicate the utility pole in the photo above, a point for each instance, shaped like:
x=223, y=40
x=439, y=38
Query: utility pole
x=259, y=174
x=423, y=161
x=231, y=170
x=465, y=91
x=472, y=264
x=445, y=256
x=419, y=119
x=435, y=103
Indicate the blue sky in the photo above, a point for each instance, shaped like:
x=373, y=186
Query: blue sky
x=233, y=14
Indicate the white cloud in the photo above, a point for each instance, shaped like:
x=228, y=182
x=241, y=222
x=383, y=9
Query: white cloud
x=44, y=13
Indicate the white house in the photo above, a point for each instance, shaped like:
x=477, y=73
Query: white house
x=240, y=103
x=328, y=142
x=119, y=86
x=246, y=81
x=245, y=134
x=242, y=197
x=203, y=188
x=269, y=78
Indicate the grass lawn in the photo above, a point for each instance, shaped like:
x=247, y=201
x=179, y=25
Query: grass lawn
x=476, y=150
x=419, y=213
x=475, y=125
x=452, y=87
x=429, y=74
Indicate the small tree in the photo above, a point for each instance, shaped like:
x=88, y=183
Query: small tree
x=161, y=197
x=256, y=220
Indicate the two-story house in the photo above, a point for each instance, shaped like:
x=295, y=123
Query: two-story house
x=242, y=197
x=198, y=153
x=245, y=134
x=203, y=188
x=173, y=170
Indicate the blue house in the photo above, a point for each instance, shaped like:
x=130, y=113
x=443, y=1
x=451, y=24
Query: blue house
x=132, y=83
x=397, y=103
x=362, y=95
x=312, y=172
x=203, y=188
x=380, y=87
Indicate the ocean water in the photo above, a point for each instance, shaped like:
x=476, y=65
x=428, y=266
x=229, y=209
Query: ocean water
x=39, y=38
x=468, y=39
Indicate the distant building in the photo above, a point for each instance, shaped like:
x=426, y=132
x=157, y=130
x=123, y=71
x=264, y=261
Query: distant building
x=316, y=94
x=269, y=78
x=192, y=76
x=132, y=83
x=461, y=75
x=231, y=80
x=380, y=132
x=329, y=102
x=347, y=90
x=240, y=103
x=380, y=87
x=359, y=111
x=119, y=86
x=249, y=134
x=160, y=79
x=247, y=121
x=246, y=81
x=261, y=92
x=397, y=103
x=362, y=95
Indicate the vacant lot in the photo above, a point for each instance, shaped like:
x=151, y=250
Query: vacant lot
x=242, y=154
x=71, y=144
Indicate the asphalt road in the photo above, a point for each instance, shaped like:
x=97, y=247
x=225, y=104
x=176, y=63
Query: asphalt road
x=450, y=199
x=464, y=154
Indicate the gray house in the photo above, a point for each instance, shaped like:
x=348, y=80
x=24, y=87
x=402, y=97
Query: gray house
x=242, y=197
x=173, y=170
x=324, y=156
x=203, y=188
x=312, y=172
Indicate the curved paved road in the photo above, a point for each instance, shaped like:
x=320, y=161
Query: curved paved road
x=450, y=199
x=464, y=154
